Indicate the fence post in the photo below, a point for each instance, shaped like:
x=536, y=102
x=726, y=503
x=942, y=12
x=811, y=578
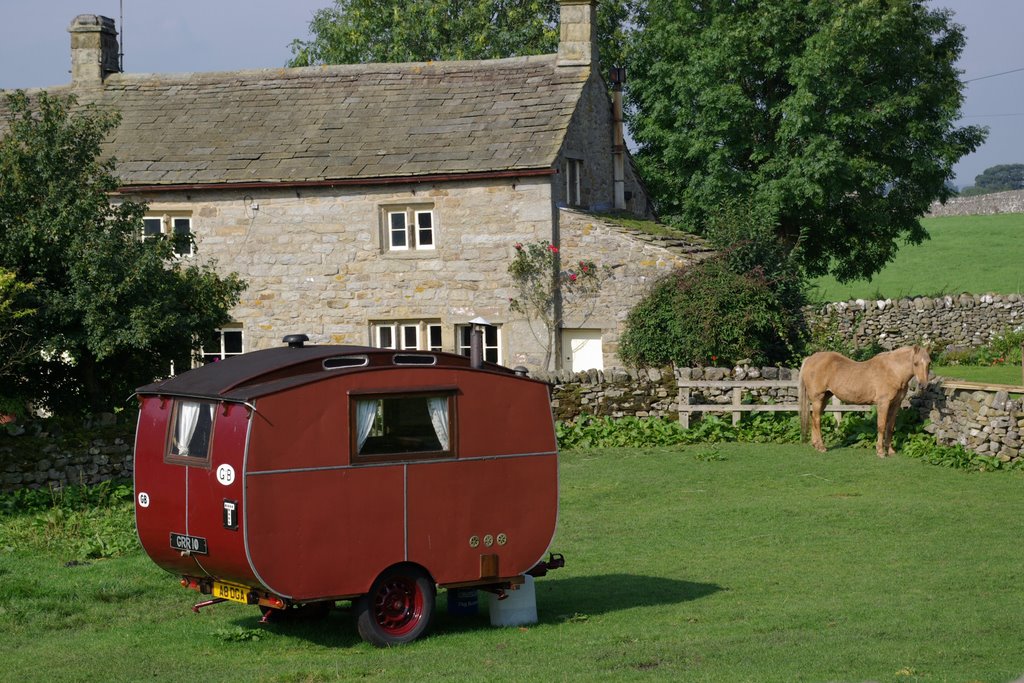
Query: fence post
x=736, y=395
x=836, y=415
x=684, y=400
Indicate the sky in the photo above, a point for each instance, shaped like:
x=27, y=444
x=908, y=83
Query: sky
x=161, y=36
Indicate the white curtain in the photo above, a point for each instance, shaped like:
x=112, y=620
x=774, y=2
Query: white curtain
x=366, y=411
x=188, y=416
x=438, y=408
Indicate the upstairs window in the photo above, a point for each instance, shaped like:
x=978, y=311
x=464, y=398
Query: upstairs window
x=573, y=175
x=409, y=229
x=407, y=335
x=491, y=346
x=412, y=426
x=176, y=228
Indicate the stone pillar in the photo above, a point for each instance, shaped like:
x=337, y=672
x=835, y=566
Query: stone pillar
x=93, y=49
x=577, y=40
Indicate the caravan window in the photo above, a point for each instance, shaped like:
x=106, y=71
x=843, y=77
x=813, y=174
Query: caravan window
x=191, y=431
x=393, y=428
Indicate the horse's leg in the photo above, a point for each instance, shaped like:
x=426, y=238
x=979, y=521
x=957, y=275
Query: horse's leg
x=817, y=408
x=894, y=411
x=884, y=411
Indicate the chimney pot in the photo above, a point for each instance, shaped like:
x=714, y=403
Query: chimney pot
x=93, y=49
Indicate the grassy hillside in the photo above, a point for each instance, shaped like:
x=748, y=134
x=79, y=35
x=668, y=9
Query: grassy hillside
x=976, y=254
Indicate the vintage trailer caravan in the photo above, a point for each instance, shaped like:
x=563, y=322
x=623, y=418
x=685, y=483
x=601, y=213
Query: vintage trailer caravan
x=308, y=474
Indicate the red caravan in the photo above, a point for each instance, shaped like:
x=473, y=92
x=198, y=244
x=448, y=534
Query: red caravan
x=308, y=474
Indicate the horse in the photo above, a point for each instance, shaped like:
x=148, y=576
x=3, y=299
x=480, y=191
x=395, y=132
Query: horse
x=881, y=380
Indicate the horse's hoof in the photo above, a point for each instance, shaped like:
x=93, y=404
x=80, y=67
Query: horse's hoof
x=820, y=449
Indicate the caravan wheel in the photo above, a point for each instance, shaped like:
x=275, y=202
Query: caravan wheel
x=399, y=607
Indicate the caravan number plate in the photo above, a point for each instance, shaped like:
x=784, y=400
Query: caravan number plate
x=188, y=544
x=230, y=591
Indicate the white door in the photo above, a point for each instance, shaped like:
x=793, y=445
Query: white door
x=581, y=350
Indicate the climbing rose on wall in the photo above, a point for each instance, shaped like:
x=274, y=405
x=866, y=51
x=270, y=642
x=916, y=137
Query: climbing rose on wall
x=546, y=290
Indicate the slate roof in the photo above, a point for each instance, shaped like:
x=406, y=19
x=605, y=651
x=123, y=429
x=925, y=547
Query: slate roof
x=353, y=122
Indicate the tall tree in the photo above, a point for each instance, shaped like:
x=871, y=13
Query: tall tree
x=356, y=31
x=998, y=178
x=16, y=345
x=111, y=311
x=837, y=118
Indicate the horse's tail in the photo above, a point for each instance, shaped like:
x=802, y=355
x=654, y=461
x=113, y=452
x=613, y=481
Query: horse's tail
x=804, y=406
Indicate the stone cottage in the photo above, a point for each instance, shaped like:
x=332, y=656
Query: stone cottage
x=379, y=204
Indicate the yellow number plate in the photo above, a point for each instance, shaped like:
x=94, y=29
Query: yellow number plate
x=231, y=592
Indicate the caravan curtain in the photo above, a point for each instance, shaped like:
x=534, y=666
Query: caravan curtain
x=438, y=407
x=366, y=411
x=188, y=417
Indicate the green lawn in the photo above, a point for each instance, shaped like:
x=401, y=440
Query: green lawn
x=993, y=374
x=707, y=563
x=975, y=254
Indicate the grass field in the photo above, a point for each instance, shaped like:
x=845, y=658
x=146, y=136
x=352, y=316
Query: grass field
x=706, y=563
x=993, y=374
x=975, y=254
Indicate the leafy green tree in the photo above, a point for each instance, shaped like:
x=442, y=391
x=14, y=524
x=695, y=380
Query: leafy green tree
x=999, y=178
x=743, y=303
x=836, y=117
x=16, y=344
x=112, y=311
x=357, y=31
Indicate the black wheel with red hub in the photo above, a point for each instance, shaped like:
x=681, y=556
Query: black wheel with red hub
x=399, y=607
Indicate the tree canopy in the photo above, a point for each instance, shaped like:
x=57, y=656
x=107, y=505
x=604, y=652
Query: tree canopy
x=357, y=31
x=111, y=311
x=837, y=118
x=999, y=178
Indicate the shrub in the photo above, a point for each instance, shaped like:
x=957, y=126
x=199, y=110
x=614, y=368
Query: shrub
x=744, y=303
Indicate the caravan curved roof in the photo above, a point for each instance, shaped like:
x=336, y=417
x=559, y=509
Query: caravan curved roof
x=258, y=373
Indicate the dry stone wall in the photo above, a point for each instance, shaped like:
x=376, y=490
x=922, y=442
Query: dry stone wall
x=57, y=463
x=996, y=202
x=986, y=422
x=951, y=320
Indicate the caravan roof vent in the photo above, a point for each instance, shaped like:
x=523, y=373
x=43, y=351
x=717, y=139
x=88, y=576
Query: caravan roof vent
x=295, y=341
x=413, y=359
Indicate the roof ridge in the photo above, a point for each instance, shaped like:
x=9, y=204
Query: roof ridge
x=319, y=71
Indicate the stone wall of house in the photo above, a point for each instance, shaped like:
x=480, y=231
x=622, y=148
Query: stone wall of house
x=592, y=124
x=315, y=264
x=957, y=319
x=58, y=463
x=630, y=261
x=996, y=202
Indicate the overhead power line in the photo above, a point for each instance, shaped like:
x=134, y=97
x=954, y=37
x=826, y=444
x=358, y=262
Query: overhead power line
x=991, y=116
x=1001, y=73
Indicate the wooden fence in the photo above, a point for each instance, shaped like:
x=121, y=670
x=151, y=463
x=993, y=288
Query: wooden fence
x=737, y=407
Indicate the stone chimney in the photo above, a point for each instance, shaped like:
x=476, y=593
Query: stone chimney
x=93, y=49
x=577, y=40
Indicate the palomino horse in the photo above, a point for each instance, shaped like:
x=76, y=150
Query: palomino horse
x=882, y=380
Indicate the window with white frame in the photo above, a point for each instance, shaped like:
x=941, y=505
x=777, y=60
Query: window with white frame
x=491, y=345
x=409, y=228
x=176, y=228
x=573, y=175
x=223, y=343
x=407, y=335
